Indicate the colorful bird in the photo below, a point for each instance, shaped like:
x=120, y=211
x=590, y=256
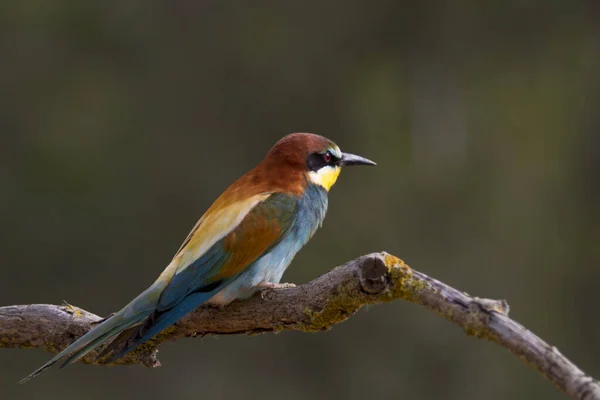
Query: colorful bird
x=242, y=244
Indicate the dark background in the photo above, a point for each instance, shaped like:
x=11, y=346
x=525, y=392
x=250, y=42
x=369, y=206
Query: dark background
x=121, y=121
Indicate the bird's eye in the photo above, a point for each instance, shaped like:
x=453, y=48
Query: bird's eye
x=327, y=157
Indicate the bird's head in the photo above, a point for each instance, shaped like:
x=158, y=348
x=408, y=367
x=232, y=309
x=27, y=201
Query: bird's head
x=317, y=158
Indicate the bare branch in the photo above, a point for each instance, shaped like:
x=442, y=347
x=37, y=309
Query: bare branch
x=316, y=306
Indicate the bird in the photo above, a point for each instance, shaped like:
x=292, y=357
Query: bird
x=241, y=245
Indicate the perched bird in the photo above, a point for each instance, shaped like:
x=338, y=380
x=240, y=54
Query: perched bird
x=242, y=244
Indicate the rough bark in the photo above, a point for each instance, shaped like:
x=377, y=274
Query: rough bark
x=315, y=306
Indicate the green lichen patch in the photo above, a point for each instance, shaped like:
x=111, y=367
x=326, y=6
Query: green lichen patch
x=338, y=308
x=405, y=285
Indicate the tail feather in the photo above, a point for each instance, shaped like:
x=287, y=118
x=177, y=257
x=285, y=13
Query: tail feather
x=117, y=342
x=88, y=342
x=91, y=346
x=132, y=314
x=135, y=324
x=155, y=325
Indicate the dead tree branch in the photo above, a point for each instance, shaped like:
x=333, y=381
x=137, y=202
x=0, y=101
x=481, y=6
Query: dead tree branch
x=315, y=306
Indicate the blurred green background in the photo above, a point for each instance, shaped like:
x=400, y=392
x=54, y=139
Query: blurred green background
x=121, y=121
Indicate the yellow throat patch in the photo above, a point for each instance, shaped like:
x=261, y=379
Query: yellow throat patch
x=325, y=177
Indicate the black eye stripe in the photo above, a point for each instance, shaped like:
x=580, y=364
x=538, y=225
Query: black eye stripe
x=316, y=161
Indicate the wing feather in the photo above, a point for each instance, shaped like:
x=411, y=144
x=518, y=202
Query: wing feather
x=260, y=229
x=257, y=233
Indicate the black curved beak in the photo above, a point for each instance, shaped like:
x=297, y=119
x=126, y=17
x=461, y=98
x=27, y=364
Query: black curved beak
x=353, y=159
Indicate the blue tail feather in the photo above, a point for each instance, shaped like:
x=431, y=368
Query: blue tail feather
x=88, y=342
x=166, y=319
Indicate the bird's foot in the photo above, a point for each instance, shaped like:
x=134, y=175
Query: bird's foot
x=273, y=285
x=266, y=287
